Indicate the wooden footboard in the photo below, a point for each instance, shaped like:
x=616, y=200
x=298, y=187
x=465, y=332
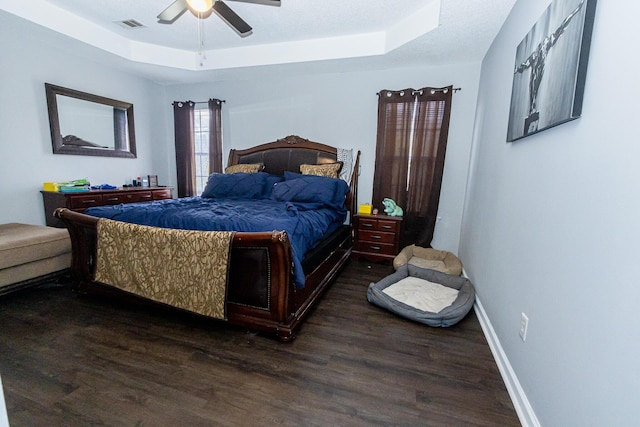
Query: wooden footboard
x=261, y=293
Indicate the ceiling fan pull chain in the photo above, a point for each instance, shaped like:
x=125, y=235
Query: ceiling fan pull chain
x=201, y=51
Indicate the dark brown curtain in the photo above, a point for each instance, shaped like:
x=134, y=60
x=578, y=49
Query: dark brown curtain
x=413, y=126
x=395, y=115
x=215, y=135
x=183, y=118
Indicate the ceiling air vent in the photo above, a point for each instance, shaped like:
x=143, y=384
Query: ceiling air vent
x=129, y=24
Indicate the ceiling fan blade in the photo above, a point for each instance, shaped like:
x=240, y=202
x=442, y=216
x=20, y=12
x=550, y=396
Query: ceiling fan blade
x=265, y=2
x=231, y=18
x=173, y=12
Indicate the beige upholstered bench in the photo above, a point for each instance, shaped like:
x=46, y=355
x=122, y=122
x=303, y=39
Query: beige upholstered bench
x=32, y=254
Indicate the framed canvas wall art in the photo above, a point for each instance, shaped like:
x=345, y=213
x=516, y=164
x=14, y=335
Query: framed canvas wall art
x=550, y=69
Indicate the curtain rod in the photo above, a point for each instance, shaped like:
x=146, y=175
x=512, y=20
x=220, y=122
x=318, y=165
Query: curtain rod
x=197, y=102
x=455, y=89
x=206, y=102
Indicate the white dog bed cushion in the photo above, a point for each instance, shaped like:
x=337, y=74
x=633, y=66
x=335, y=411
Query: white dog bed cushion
x=424, y=295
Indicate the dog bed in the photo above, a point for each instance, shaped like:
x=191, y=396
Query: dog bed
x=424, y=295
x=433, y=259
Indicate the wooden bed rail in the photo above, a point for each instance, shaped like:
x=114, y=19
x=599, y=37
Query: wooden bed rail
x=269, y=308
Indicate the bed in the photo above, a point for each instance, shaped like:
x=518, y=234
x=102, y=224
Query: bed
x=271, y=285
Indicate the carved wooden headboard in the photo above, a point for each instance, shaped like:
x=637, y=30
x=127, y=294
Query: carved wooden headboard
x=287, y=154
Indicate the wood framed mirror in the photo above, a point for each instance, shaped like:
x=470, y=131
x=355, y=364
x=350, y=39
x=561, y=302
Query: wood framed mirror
x=89, y=125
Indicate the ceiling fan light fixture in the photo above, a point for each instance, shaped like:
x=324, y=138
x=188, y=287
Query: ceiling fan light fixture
x=200, y=6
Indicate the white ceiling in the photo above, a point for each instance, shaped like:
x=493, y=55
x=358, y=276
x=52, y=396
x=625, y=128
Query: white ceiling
x=331, y=35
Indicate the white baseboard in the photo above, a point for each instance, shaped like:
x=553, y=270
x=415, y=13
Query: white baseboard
x=4, y=420
x=518, y=397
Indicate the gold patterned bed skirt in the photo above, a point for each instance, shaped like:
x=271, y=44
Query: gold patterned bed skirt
x=183, y=268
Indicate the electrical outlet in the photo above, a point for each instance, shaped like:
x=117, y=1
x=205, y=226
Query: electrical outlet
x=524, y=325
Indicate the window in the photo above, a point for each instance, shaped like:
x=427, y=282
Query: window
x=201, y=149
x=198, y=139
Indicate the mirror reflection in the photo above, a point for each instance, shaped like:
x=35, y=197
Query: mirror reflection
x=87, y=124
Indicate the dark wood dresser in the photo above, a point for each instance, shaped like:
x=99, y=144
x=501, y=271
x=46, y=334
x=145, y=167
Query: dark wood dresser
x=80, y=201
x=377, y=237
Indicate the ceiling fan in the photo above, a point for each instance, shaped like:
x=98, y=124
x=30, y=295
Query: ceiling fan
x=204, y=8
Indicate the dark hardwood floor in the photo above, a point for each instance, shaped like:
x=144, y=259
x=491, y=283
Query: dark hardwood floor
x=77, y=360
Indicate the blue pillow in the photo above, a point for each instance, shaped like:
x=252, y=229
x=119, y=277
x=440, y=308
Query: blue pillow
x=288, y=175
x=244, y=185
x=311, y=189
x=269, y=184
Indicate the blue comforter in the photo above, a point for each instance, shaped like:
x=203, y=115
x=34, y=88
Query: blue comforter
x=305, y=222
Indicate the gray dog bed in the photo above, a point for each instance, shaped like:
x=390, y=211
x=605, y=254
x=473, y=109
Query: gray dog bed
x=431, y=297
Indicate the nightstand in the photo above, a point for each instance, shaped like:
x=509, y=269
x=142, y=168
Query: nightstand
x=377, y=237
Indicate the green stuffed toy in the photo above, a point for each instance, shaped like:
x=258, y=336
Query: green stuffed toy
x=390, y=207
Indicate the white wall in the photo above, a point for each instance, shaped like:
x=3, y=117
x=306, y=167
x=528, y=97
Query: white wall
x=341, y=110
x=31, y=56
x=551, y=229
